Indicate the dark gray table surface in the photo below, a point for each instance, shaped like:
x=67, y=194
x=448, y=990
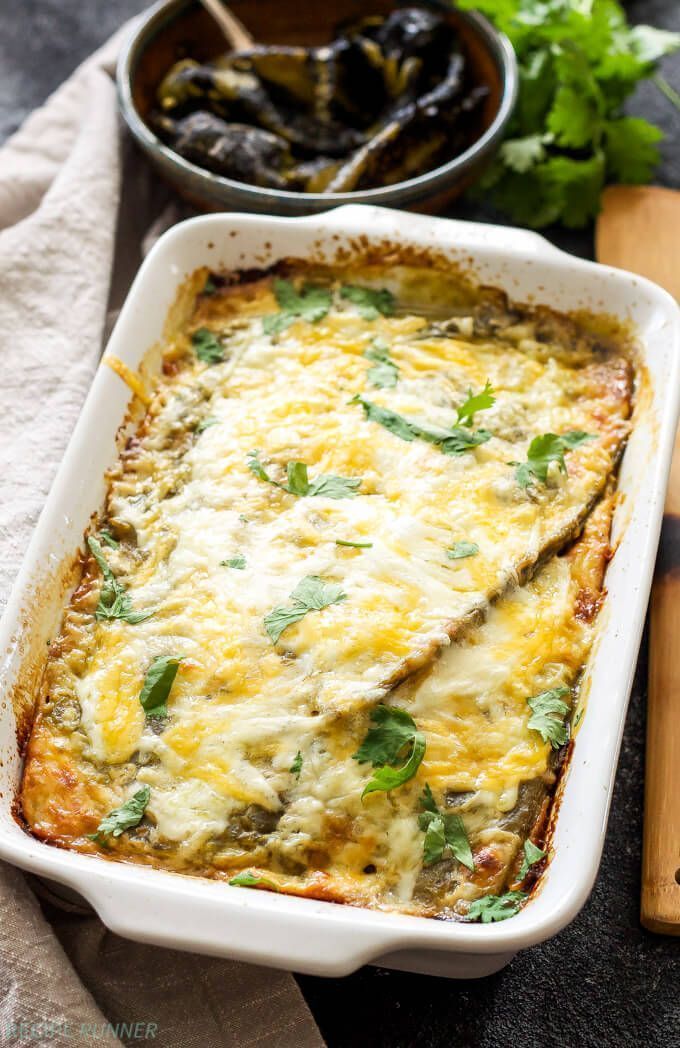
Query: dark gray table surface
x=604, y=980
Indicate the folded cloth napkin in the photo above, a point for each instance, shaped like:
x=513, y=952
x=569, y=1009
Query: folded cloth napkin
x=77, y=208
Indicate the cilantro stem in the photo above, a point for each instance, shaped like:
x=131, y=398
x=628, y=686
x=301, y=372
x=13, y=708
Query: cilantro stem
x=665, y=88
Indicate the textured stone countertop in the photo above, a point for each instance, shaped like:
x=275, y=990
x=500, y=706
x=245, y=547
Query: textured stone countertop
x=603, y=981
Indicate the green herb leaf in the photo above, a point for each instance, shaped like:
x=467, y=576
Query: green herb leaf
x=631, y=149
x=543, y=451
x=310, y=304
x=210, y=287
x=310, y=594
x=392, y=421
x=248, y=879
x=578, y=63
x=296, y=766
x=454, y=441
x=207, y=347
x=206, y=423
x=256, y=467
x=157, y=684
x=496, y=907
x=114, y=601
x=460, y=550
x=442, y=832
x=108, y=539
x=393, y=731
x=238, y=562
x=384, y=373
x=353, y=545
x=476, y=402
x=532, y=855
x=369, y=301
x=548, y=713
x=325, y=486
x=298, y=480
x=125, y=817
x=387, y=778
x=331, y=487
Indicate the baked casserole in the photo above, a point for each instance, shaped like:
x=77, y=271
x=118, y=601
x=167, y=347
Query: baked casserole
x=329, y=628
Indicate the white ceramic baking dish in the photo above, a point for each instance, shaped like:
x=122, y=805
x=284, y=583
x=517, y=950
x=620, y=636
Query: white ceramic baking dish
x=305, y=935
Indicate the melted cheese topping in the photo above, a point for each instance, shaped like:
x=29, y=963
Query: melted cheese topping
x=185, y=501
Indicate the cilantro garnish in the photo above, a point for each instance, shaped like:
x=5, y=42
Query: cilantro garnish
x=248, y=879
x=394, y=734
x=442, y=832
x=532, y=855
x=238, y=562
x=384, y=374
x=310, y=304
x=543, y=451
x=296, y=766
x=568, y=137
x=311, y=594
x=114, y=601
x=476, y=402
x=369, y=301
x=496, y=907
x=125, y=817
x=460, y=550
x=108, y=539
x=547, y=717
x=157, y=684
x=207, y=347
x=324, y=486
x=206, y=423
x=454, y=441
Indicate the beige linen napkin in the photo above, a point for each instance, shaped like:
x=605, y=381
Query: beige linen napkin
x=67, y=254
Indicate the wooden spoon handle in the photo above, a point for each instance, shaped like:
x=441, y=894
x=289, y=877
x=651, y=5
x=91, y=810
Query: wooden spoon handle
x=660, y=900
x=233, y=29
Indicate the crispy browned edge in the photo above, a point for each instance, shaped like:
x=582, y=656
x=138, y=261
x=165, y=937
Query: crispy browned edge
x=359, y=252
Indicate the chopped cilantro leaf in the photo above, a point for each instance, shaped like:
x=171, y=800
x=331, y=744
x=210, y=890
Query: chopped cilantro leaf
x=125, y=817
x=547, y=717
x=496, y=907
x=532, y=855
x=454, y=441
x=310, y=304
x=108, y=539
x=369, y=301
x=442, y=831
x=296, y=766
x=476, y=402
x=384, y=374
x=393, y=732
x=238, y=562
x=207, y=347
x=543, y=451
x=114, y=601
x=324, y=486
x=310, y=594
x=157, y=684
x=460, y=550
x=206, y=423
x=248, y=879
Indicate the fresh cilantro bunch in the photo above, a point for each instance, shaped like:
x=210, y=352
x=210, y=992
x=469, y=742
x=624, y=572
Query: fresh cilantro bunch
x=578, y=61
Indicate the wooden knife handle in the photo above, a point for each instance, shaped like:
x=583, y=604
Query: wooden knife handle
x=660, y=900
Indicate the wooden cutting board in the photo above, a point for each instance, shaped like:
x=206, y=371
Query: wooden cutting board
x=639, y=230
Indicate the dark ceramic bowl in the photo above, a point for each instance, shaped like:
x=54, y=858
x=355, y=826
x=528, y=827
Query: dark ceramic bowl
x=175, y=29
